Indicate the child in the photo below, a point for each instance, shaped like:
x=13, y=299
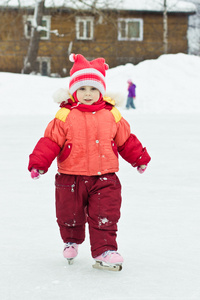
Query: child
x=86, y=135
x=131, y=94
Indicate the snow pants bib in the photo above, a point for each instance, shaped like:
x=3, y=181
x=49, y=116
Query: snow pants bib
x=92, y=199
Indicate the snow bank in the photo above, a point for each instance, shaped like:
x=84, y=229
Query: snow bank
x=168, y=84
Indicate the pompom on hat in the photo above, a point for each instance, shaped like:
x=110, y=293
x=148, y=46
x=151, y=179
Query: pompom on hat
x=87, y=73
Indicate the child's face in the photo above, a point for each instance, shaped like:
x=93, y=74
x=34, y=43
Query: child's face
x=87, y=95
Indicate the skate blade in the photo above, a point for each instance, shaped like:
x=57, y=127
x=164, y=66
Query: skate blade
x=70, y=261
x=102, y=266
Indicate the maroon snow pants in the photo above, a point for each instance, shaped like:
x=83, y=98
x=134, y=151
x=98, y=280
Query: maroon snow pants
x=92, y=199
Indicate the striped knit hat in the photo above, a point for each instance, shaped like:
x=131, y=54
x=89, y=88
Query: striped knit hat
x=87, y=73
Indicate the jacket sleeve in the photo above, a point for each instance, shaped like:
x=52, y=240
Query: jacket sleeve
x=48, y=147
x=129, y=147
x=43, y=154
x=133, y=152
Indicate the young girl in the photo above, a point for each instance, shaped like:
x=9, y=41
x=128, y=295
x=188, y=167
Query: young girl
x=86, y=136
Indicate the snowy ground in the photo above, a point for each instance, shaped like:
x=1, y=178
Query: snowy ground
x=160, y=224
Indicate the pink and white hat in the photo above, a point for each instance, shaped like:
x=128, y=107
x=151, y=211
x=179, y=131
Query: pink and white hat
x=87, y=73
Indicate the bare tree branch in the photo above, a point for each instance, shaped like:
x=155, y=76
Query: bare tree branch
x=29, y=62
x=165, y=28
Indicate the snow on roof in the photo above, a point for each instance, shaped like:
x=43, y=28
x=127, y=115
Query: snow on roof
x=137, y=5
x=157, y=5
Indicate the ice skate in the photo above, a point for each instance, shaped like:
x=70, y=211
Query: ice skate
x=109, y=260
x=70, y=252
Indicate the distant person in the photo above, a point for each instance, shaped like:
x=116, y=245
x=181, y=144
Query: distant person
x=131, y=94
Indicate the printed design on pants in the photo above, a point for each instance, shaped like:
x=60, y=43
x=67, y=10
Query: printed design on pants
x=104, y=221
x=108, y=216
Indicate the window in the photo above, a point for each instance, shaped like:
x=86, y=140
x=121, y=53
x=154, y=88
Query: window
x=130, y=29
x=84, y=28
x=46, y=23
x=43, y=66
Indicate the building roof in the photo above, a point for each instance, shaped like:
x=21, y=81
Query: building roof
x=135, y=5
x=158, y=5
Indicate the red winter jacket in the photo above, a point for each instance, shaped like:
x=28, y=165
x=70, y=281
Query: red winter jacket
x=87, y=143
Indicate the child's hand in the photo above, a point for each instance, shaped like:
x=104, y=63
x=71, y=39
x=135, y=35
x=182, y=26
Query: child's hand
x=35, y=174
x=141, y=168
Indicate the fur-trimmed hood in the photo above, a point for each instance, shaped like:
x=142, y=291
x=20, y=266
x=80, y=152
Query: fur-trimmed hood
x=62, y=95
